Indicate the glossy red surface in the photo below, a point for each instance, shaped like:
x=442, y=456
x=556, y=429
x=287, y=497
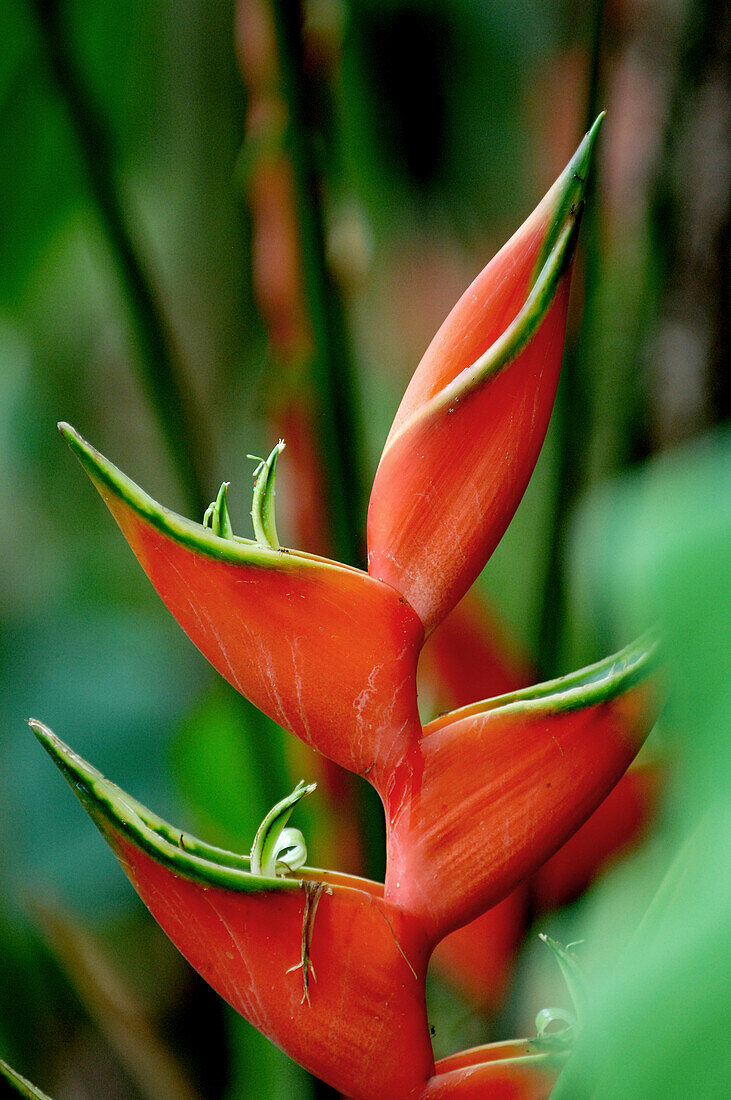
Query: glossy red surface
x=325, y=651
x=447, y=487
x=364, y=1029
x=484, y=800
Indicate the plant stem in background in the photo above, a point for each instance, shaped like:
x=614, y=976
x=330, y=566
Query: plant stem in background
x=161, y=369
x=332, y=366
x=572, y=404
x=158, y=361
x=690, y=225
x=128, y=1024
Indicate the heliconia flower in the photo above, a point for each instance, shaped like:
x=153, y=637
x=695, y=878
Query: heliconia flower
x=332, y=967
x=317, y=961
x=493, y=789
x=323, y=649
x=515, y=1070
x=472, y=421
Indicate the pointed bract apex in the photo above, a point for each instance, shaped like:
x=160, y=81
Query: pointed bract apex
x=257, y=941
x=494, y=789
x=121, y=818
x=469, y=429
x=278, y=624
x=567, y=193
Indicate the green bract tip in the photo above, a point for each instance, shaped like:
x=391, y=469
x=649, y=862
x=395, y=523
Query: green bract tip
x=21, y=1084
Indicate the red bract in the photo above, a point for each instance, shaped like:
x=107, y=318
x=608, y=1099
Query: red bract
x=478, y=958
x=619, y=822
x=320, y=964
x=331, y=967
x=516, y=1070
x=467, y=434
x=470, y=656
x=492, y=790
x=323, y=649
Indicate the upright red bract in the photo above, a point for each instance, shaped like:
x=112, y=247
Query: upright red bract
x=472, y=421
x=330, y=967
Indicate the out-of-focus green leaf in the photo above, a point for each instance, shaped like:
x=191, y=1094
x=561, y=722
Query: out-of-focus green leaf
x=40, y=175
x=660, y=550
x=220, y=770
x=33, y=994
x=258, y=1068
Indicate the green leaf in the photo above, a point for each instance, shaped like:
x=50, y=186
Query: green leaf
x=223, y=748
x=655, y=545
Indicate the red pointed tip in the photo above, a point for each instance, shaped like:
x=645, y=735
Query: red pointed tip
x=472, y=421
x=323, y=649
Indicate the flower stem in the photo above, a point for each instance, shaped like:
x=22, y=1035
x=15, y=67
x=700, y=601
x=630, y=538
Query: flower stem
x=333, y=361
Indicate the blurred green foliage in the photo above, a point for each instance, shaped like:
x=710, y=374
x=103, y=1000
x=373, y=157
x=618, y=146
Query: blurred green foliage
x=452, y=118
x=657, y=1027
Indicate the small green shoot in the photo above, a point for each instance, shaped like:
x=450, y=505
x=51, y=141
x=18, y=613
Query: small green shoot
x=263, y=509
x=216, y=516
x=277, y=850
